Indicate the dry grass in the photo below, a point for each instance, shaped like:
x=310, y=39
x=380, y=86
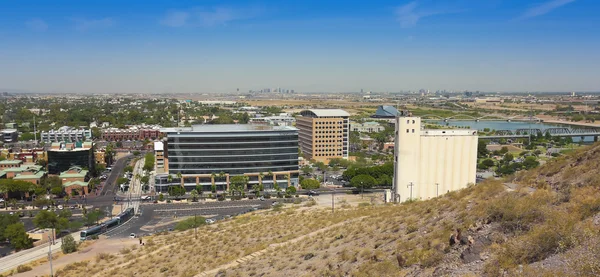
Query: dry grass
x=522, y=228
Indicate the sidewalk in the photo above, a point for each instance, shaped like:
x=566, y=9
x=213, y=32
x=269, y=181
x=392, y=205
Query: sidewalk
x=25, y=256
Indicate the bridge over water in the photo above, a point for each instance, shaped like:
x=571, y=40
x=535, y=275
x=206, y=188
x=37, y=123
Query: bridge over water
x=554, y=132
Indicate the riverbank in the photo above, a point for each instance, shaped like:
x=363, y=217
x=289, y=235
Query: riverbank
x=554, y=120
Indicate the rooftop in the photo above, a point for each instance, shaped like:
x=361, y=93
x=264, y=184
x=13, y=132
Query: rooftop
x=325, y=113
x=75, y=183
x=158, y=146
x=11, y=162
x=215, y=128
x=36, y=175
x=386, y=111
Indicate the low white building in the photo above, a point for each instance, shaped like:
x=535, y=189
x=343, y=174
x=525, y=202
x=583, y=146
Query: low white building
x=367, y=127
x=429, y=163
x=66, y=134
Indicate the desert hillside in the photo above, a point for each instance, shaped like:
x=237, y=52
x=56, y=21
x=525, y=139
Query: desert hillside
x=549, y=226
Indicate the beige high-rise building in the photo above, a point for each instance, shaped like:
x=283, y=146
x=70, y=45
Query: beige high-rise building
x=429, y=163
x=324, y=134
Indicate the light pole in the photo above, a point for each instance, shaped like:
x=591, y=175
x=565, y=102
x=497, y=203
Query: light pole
x=362, y=190
x=437, y=189
x=50, y=242
x=411, y=188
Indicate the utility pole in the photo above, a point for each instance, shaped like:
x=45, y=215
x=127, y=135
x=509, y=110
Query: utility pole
x=333, y=201
x=437, y=189
x=411, y=188
x=50, y=242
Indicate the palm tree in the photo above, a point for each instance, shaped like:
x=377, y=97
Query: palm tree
x=169, y=178
x=67, y=198
x=260, y=177
x=256, y=189
x=180, y=177
x=287, y=177
x=221, y=176
x=212, y=178
x=277, y=189
x=194, y=194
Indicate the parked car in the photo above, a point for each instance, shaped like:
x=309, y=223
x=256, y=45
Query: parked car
x=146, y=197
x=209, y=221
x=132, y=235
x=44, y=207
x=60, y=207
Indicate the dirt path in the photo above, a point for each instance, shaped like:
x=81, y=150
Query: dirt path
x=88, y=253
x=251, y=256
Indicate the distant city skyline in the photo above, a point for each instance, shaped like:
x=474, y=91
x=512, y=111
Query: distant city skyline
x=310, y=46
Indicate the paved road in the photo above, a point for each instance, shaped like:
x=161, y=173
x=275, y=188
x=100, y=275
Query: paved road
x=162, y=215
x=110, y=185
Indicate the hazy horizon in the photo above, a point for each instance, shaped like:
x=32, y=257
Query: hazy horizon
x=311, y=46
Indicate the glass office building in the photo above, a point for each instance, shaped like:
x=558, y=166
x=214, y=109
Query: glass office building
x=200, y=152
x=62, y=160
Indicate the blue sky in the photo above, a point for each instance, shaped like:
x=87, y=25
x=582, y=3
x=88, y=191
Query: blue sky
x=218, y=46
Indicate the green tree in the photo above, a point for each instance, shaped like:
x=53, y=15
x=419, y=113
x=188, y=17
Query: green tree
x=530, y=162
x=239, y=183
x=291, y=190
x=128, y=168
x=508, y=157
x=310, y=184
x=363, y=182
x=176, y=191
x=96, y=133
x=161, y=197
x=92, y=217
x=321, y=166
x=148, y=162
x=194, y=194
x=503, y=150
x=277, y=189
x=482, y=150
x=6, y=220
x=17, y=236
x=46, y=219
x=68, y=244
x=306, y=169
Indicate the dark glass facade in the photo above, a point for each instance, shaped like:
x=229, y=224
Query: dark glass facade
x=235, y=153
x=59, y=161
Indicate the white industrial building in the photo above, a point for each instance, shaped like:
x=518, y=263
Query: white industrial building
x=429, y=163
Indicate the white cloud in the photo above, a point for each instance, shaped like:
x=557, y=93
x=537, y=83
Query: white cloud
x=409, y=14
x=37, y=24
x=544, y=8
x=175, y=19
x=82, y=24
x=208, y=17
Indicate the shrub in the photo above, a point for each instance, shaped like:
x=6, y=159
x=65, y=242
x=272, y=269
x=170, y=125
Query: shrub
x=161, y=197
x=68, y=244
x=23, y=268
x=189, y=223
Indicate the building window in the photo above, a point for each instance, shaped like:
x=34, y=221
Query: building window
x=407, y=131
x=413, y=121
x=407, y=121
x=413, y=130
